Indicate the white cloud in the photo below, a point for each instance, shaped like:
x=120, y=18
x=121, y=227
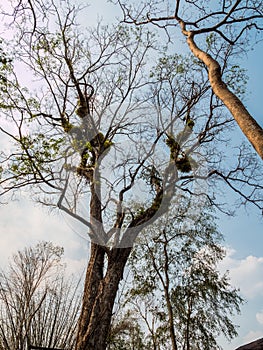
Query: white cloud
x=259, y=317
x=245, y=274
x=23, y=224
x=75, y=267
x=252, y=336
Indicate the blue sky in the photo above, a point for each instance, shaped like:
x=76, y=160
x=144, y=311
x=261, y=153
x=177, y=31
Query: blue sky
x=29, y=223
x=244, y=232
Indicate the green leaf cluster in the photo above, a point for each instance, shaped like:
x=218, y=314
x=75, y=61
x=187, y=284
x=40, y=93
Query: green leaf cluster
x=36, y=152
x=168, y=67
x=236, y=79
x=175, y=263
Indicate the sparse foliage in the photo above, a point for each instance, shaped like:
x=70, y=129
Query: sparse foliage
x=176, y=291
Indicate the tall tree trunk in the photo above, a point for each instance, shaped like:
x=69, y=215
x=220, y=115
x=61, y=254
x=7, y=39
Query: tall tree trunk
x=98, y=298
x=187, y=333
x=166, y=284
x=250, y=128
x=170, y=319
x=94, y=275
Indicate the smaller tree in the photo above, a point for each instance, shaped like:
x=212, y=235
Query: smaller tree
x=175, y=266
x=126, y=334
x=38, y=304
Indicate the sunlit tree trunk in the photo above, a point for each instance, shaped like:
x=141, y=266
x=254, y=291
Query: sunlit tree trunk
x=250, y=128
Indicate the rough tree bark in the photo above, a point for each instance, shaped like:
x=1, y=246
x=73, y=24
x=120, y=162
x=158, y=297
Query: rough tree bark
x=250, y=128
x=98, y=297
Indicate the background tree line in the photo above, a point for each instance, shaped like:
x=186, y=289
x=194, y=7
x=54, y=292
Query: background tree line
x=39, y=303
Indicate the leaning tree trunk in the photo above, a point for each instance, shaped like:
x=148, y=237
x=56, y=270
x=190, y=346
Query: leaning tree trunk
x=250, y=128
x=98, y=298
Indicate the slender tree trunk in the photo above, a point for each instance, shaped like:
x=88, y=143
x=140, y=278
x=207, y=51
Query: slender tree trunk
x=250, y=128
x=99, y=295
x=187, y=335
x=166, y=284
x=170, y=319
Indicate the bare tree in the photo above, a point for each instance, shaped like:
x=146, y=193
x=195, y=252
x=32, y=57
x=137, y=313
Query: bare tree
x=109, y=138
x=38, y=304
x=228, y=24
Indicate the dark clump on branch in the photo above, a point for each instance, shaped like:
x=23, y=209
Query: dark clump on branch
x=174, y=147
x=94, y=150
x=183, y=164
x=182, y=161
